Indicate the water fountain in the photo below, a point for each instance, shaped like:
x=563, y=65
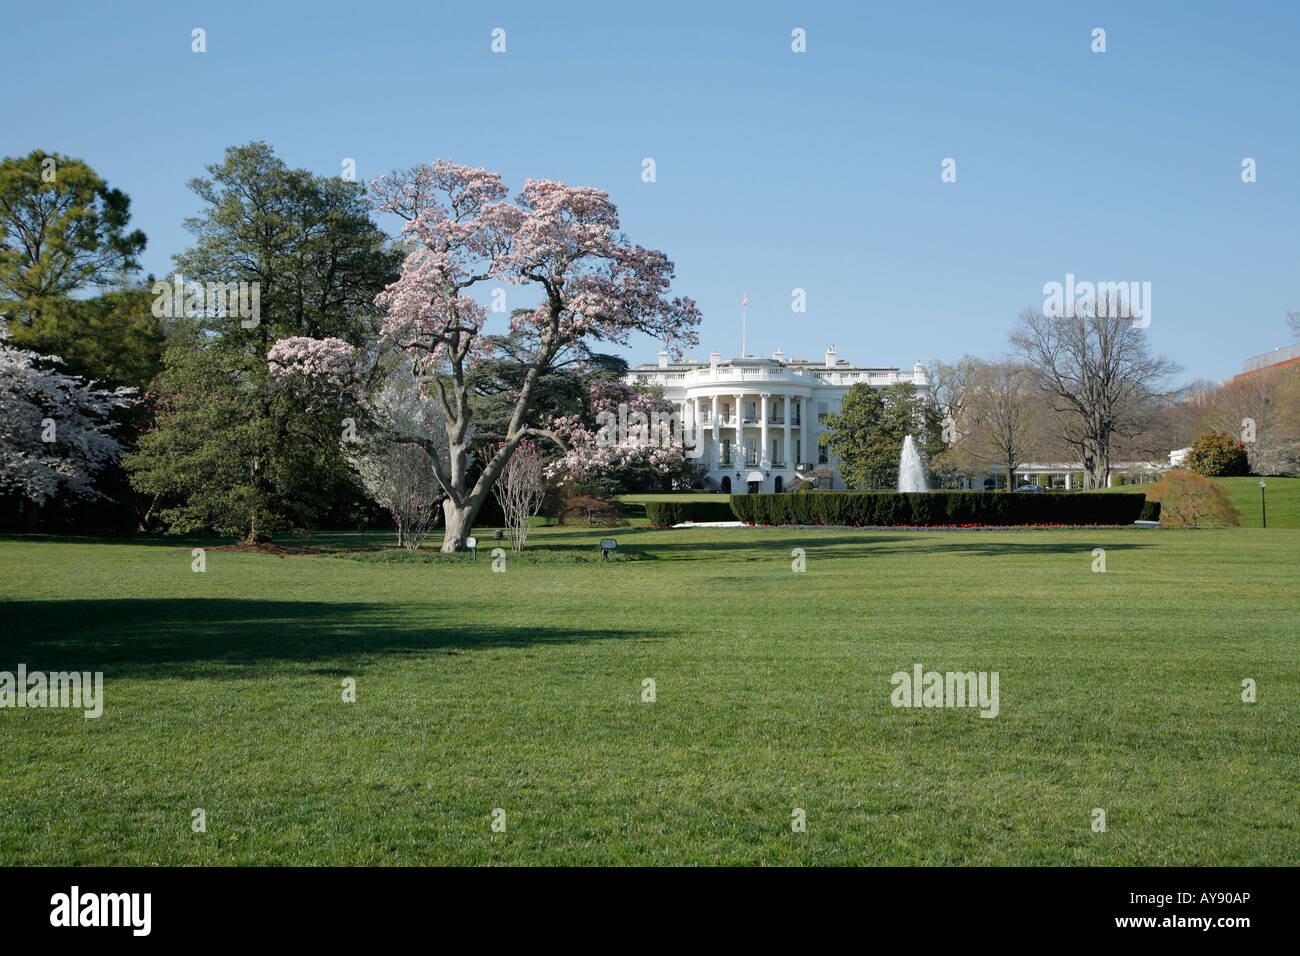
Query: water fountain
x=911, y=473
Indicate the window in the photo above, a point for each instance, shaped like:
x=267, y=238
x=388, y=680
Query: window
x=823, y=409
x=822, y=458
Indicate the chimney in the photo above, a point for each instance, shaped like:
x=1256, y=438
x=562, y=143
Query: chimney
x=779, y=355
x=663, y=358
x=715, y=358
x=830, y=357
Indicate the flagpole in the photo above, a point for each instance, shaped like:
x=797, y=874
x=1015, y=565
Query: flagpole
x=744, y=323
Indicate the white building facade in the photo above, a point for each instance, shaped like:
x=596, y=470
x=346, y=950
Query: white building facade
x=759, y=418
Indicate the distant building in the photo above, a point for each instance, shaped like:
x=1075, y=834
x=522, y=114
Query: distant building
x=1270, y=361
x=760, y=418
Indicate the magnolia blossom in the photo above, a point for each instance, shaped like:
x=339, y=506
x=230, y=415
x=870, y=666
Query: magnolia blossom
x=317, y=367
x=597, y=448
x=55, y=429
x=585, y=282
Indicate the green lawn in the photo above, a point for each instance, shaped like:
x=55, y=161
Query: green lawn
x=1283, y=500
x=522, y=691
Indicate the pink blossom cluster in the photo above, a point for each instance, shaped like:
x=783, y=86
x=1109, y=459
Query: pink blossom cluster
x=561, y=239
x=591, y=453
x=319, y=367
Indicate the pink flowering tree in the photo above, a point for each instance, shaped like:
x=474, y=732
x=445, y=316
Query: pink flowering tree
x=627, y=438
x=319, y=370
x=562, y=245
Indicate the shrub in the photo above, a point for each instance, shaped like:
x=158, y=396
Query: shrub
x=1216, y=455
x=885, y=508
x=806, y=486
x=665, y=514
x=553, y=504
x=1189, y=500
x=592, y=512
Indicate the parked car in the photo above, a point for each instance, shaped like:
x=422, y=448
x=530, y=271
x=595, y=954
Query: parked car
x=1032, y=488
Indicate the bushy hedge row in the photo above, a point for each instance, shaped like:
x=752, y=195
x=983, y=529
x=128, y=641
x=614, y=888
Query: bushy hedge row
x=664, y=514
x=860, y=508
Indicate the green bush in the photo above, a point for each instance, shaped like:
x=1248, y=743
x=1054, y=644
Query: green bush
x=886, y=508
x=1216, y=455
x=665, y=514
x=806, y=486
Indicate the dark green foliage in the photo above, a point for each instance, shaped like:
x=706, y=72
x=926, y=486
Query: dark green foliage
x=867, y=433
x=1217, y=455
x=887, y=508
x=230, y=451
x=665, y=514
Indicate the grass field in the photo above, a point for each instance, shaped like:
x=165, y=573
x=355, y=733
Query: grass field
x=1283, y=496
x=522, y=691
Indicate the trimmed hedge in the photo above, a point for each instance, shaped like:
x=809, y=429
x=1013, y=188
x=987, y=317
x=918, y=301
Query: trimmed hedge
x=884, y=508
x=665, y=514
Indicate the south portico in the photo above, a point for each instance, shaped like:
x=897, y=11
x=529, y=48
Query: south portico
x=759, y=419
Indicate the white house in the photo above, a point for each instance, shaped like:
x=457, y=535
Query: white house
x=759, y=418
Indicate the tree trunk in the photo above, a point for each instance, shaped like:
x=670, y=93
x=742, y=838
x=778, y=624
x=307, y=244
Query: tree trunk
x=459, y=522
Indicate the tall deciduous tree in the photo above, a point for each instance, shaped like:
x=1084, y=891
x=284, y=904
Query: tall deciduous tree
x=561, y=242
x=1101, y=378
x=1005, y=420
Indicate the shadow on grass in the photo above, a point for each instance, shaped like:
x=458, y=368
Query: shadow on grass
x=846, y=544
x=213, y=637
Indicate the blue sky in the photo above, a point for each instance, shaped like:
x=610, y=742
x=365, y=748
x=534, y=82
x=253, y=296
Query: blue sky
x=775, y=170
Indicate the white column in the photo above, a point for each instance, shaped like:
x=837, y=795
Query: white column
x=762, y=424
x=809, y=431
x=785, y=403
x=740, y=430
x=717, y=436
x=696, y=431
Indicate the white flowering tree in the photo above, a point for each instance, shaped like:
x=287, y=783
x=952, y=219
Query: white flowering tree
x=392, y=437
x=55, y=429
x=399, y=477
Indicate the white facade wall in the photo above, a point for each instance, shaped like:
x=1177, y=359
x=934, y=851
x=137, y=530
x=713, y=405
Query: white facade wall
x=778, y=401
